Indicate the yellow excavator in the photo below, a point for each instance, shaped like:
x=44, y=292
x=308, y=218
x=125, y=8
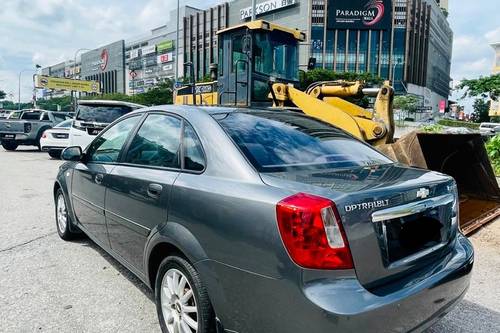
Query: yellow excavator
x=258, y=67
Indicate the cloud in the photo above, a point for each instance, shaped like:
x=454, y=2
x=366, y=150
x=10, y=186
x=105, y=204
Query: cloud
x=493, y=36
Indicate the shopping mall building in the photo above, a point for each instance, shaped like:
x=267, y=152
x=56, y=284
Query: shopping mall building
x=406, y=41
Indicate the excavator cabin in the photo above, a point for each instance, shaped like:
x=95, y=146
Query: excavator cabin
x=250, y=56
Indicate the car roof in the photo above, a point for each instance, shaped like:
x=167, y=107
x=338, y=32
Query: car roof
x=109, y=102
x=34, y=110
x=211, y=110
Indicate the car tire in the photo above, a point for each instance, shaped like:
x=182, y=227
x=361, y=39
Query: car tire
x=63, y=219
x=189, y=307
x=55, y=153
x=9, y=145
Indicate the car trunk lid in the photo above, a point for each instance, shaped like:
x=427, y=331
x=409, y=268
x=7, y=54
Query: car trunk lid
x=12, y=126
x=396, y=219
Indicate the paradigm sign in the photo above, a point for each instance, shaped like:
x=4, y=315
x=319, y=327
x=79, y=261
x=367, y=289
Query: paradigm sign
x=359, y=14
x=266, y=7
x=57, y=83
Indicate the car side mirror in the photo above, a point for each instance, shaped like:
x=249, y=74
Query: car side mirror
x=73, y=153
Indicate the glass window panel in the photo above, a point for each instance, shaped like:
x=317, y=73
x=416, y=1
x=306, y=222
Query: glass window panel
x=157, y=142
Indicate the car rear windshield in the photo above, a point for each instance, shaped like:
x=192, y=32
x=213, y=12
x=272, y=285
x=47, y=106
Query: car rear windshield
x=282, y=141
x=31, y=116
x=101, y=113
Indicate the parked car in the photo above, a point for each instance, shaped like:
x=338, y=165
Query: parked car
x=92, y=116
x=54, y=140
x=266, y=221
x=4, y=114
x=26, y=127
x=488, y=129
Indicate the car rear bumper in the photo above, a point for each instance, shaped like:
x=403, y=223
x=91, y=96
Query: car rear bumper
x=6, y=136
x=411, y=308
x=47, y=148
x=247, y=302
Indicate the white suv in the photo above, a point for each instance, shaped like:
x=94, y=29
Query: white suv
x=92, y=116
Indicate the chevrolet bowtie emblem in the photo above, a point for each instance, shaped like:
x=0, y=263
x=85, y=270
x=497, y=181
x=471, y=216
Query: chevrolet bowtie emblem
x=422, y=193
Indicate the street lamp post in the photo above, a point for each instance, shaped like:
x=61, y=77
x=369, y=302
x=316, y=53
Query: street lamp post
x=74, y=75
x=19, y=84
x=177, y=44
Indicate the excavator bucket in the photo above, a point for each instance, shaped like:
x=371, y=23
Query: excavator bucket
x=462, y=156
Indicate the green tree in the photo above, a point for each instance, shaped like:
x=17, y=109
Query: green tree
x=160, y=94
x=481, y=109
x=407, y=103
x=2, y=94
x=486, y=87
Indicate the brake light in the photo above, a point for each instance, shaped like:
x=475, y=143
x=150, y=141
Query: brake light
x=312, y=232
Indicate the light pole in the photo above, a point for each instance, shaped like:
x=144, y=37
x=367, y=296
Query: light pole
x=74, y=75
x=74, y=64
x=19, y=84
x=177, y=44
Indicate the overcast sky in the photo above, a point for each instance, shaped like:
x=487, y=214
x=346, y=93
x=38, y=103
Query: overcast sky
x=46, y=32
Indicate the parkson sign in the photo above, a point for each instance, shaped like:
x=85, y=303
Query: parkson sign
x=359, y=14
x=266, y=7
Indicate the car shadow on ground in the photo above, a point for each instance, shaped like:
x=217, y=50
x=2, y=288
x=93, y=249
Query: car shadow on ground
x=85, y=241
x=468, y=317
x=21, y=150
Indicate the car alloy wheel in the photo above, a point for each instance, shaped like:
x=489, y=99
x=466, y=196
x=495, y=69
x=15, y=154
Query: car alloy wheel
x=178, y=303
x=62, y=214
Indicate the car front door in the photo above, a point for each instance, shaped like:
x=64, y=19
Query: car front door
x=139, y=187
x=90, y=178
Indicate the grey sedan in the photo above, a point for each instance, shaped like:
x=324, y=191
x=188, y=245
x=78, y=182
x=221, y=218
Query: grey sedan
x=246, y=220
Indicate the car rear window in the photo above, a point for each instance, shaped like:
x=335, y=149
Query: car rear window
x=101, y=113
x=31, y=116
x=281, y=141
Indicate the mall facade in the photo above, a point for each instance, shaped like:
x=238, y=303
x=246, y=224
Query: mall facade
x=406, y=41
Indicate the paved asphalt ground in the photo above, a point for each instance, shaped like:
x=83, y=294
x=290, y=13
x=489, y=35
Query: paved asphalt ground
x=48, y=285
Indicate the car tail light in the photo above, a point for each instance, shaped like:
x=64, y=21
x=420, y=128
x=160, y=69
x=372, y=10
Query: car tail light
x=27, y=127
x=312, y=232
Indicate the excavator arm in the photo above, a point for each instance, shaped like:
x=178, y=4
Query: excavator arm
x=374, y=127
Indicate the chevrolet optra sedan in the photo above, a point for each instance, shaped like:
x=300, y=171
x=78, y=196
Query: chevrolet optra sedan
x=266, y=221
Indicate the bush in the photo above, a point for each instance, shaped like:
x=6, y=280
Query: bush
x=493, y=149
x=457, y=123
x=434, y=128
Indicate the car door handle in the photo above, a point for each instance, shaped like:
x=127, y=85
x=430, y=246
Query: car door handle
x=98, y=178
x=154, y=190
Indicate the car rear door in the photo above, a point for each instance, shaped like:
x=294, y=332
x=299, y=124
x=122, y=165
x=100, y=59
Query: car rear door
x=139, y=187
x=90, y=177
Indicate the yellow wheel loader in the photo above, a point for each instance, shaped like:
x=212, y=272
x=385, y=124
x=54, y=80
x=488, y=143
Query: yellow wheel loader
x=258, y=67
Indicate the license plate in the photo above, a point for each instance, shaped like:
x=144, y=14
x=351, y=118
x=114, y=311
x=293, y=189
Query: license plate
x=9, y=136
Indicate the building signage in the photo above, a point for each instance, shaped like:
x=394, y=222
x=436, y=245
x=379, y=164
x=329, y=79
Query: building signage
x=359, y=14
x=134, y=54
x=266, y=7
x=167, y=67
x=104, y=59
x=167, y=45
x=442, y=106
x=167, y=57
x=56, y=83
x=148, y=49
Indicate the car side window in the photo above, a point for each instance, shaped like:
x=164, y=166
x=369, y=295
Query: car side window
x=107, y=147
x=157, y=143
x=193, y=153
